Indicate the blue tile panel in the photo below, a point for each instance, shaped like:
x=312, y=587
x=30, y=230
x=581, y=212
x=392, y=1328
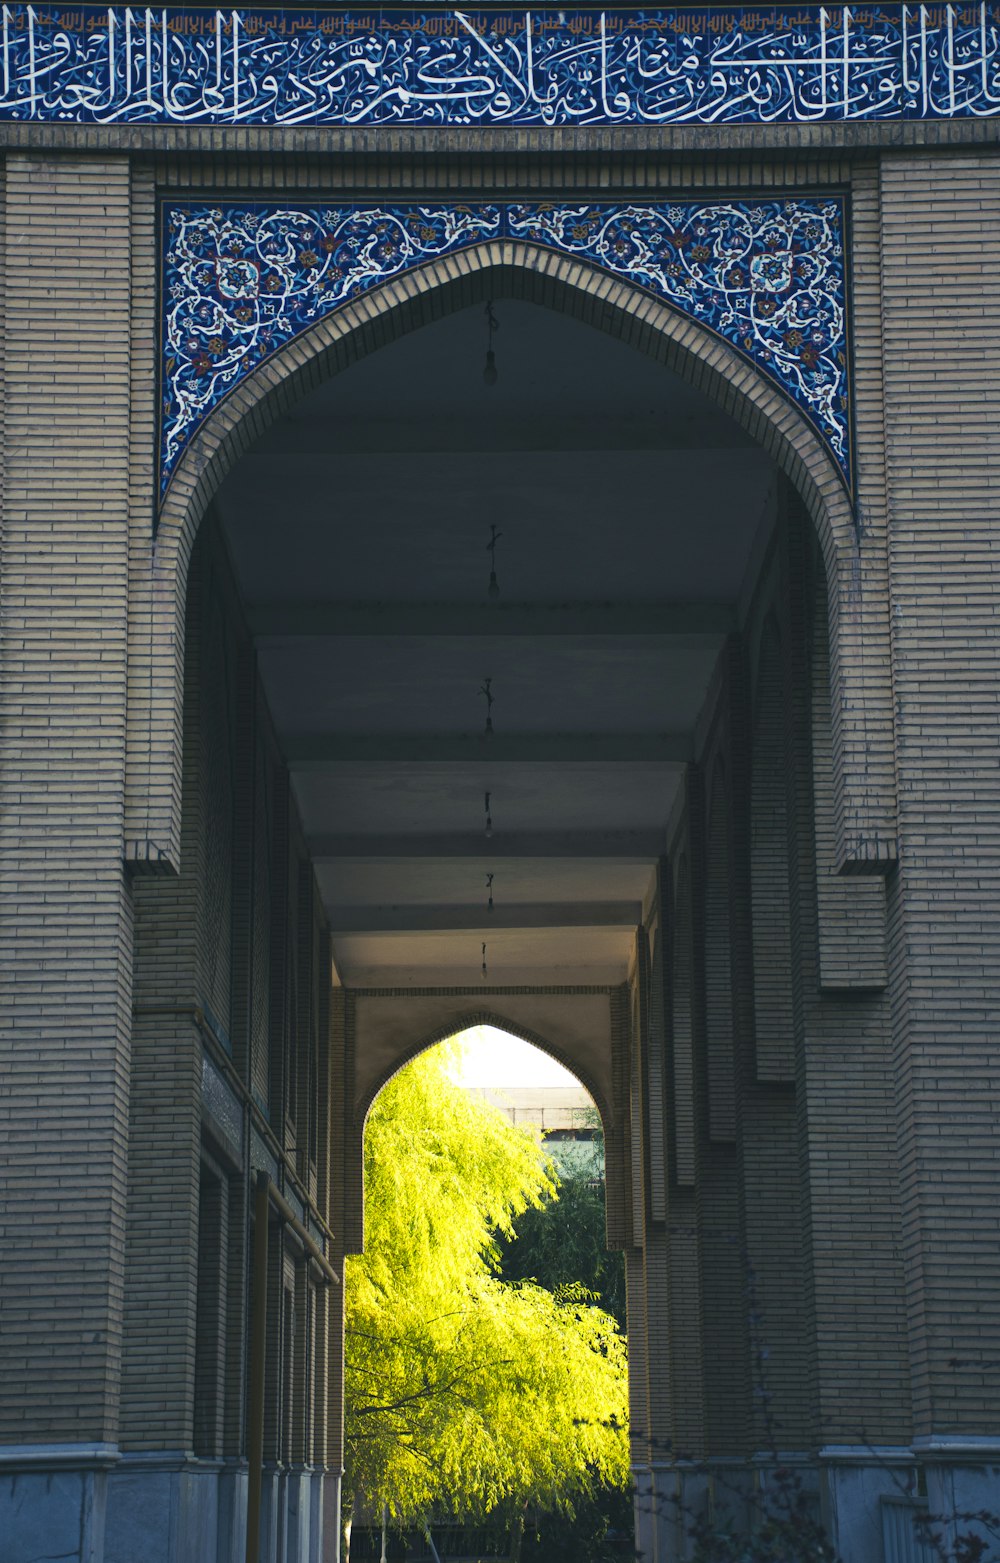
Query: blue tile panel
x=221, y=1101
x=774, y=65
x=767, y=276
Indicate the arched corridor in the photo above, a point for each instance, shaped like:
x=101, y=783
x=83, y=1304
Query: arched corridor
x=597, y=869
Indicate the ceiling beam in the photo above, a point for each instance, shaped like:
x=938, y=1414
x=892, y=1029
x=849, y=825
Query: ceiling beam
x=623, y=846
x=463, y=919
x=320, y=751
x=506, y=974
x=362, y=436
x=688, y=625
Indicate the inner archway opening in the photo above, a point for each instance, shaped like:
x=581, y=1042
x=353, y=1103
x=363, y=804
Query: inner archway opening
x=485, y=1370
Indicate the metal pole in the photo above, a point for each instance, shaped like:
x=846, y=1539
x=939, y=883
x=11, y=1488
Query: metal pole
x=258, y=1355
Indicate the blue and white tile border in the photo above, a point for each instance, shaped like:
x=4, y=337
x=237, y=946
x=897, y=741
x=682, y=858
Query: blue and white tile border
x=124, y=65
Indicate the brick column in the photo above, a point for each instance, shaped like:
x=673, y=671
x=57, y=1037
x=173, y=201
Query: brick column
x=688, y=1408
x=725, y=1328
x=65, y=913
x=336, y=1071
x=772, y=1199
x=636, y=1293
x=857, y=1392
x=941, y=349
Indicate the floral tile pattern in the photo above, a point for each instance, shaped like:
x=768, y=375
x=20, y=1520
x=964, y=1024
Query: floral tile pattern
x=767, y=276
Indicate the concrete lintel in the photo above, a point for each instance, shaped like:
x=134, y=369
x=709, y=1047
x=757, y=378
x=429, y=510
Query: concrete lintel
x=170, y=1460
x=513, y=977
x=688, y=625
x=319, y=751
x=58, y=1457
x=623, y=846
x=962, y=1447
x=866, y=1454
x=460, y=919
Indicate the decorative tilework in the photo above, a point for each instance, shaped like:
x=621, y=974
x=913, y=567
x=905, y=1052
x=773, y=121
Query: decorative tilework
x=262, y=1158
x=91, y=65
x=767, y=276
x=222, y=1102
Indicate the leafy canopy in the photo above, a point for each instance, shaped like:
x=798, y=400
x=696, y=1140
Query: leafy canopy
x=464, y=1392
x=562, y=1239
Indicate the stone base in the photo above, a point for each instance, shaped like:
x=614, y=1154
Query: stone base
x=90, y=1504
x=168, y=1509
x=865, y=1492
x=873, y=1498
x=732, y=1494
x=292, y=1516
x=961, y=1477
x=681, y=1496
x=644, y=1507
x=53, y=1501
x=868, y=1498
x=162, y=1507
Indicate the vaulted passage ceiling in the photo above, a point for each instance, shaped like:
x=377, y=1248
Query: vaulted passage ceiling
x=633, y=517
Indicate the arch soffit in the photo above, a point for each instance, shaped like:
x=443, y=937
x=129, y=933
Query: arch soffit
x=514, y=269
x=483, y=1016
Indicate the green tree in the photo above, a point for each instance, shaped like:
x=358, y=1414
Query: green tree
x=561, y=1240
x=464, y=1392
x=557, y=1242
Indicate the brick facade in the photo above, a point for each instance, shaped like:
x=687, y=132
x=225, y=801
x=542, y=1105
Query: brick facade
x=799, y=1082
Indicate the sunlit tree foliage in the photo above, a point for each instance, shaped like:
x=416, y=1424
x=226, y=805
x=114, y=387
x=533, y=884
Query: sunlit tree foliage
x=464, y=1392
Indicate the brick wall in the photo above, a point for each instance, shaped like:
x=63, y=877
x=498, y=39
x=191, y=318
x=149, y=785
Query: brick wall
x=873, y=1121
x=231, y=956
x=940, y=336
x=65, y=919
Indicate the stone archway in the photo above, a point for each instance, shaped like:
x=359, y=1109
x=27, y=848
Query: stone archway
x=866, y=806
x=619, y=310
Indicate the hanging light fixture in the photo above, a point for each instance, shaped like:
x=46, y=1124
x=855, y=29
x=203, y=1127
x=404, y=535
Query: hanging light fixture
x=487, y=691
x=492, y=325
x=489, y=892
x=489, y=817
x=484, y=961
x=491, y=549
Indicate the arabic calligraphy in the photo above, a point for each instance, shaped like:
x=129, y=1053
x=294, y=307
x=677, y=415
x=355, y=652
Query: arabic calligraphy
x=130, y=65
x=767, y=276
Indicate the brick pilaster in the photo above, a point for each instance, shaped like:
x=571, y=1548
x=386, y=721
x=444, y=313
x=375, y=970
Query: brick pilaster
x=65, y=920
x=845, y=1129
x=941, y=349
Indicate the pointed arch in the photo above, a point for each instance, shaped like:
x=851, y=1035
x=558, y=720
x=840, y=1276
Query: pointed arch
x=498, y=268
x=454, y=1020
x=485, y=1017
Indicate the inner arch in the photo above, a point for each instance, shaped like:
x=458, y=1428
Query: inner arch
x=633, y=514
x=563, y=1062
